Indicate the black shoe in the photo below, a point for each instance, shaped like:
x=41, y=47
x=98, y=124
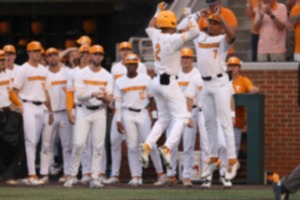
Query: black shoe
x=280, y=192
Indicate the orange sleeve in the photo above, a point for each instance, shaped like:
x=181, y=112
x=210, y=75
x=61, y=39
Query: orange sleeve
x=248, y=84
x=201, y=23
x=294, y=11
x=69, y=100
x=14, y=99
x=229, y=17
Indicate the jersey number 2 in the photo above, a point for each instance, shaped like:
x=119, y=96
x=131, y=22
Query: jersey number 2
x=157, y=47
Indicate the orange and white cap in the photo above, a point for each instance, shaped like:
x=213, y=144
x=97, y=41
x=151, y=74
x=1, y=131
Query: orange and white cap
x=96, y=49
x=234, y=61
x=2, y=55
x=51, y=50
x=84, y=40
x=125, y=45
x=33, y=46
x=187, y=52
x=214, y=18
x=9, y=48
x=131, y=59
x=84, y=48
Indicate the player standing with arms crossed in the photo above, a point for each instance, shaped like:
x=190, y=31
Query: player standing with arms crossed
x=169, y=98
x=29, y=84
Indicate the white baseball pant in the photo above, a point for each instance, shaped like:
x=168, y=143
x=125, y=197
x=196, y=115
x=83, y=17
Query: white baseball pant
x=87, y=156
x=171, y=105
x=238, y=139
x=63, y=129
x=137, y=125
x=33, y=120
x=89, y=122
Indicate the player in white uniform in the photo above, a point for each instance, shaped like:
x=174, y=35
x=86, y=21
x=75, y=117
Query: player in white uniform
x=168, y=96
x=10, y=57
x=212, y=49
x=30, y=85
x=93, y=90
x=132, y=98
x=116, y=138
x=56, y=83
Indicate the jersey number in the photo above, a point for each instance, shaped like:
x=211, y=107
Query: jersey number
x=157, y=47
x=142, y=95
x=215, y=53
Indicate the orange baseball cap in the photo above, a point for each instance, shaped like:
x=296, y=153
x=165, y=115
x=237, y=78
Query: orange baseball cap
x=84, y=40
x=214, y=18
x=187, y=52
x=9, y=48
x=233, y=61
x=97, y=49
x=125, y=45
x=84, y=48
x=2, y=55
x=51, y=50
x=131, y=59
x=34, y=45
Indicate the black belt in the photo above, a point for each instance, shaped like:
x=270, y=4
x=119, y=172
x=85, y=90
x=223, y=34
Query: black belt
x=37, y=103
x=58, y=111
x=134, y=110
x=200, y=109
x=91, y=107
x=209, y=78
x=3, y=109
x=194, y=106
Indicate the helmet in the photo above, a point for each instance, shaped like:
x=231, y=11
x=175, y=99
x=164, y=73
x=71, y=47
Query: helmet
x=51, y=50
x=233, y=61
x=34, y=45
x=84, y=40
x=84, y=48
x=97, y=49
x=166, y=19
x=9, y=48
x=2, y=55
x=125, y=45
x=131, y=59
x=187, y=52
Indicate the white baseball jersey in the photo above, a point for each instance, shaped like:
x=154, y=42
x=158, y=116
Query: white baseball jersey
x=211, y=54
x=133, y=92
x=194, y=89
x=5, y=85
x=31, y=81
x=88, y=82
x=166, y=51
x=14, y=71
x=56, y=85
x=119, y=69
x=73, y=74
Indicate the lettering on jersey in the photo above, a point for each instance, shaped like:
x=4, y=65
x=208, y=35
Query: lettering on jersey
x=62, y=82
x=90, y=82
x=118, y=76
x=157, y=46
x=183, y=83
x=36, y=78
x=208, y=46
x=4, y=82
x=200, y=88
x=133, y=88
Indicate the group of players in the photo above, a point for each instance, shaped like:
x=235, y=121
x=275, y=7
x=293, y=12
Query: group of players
x=181, y=100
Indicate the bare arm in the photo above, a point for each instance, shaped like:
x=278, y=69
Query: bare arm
x=189, y=103
x=230, y=33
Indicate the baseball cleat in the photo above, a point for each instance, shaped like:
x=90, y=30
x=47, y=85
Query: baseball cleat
x=95, y=184
x=63, y=179
x=232, y=169
x=32, y=180
x=45, y=179
x=187, y=182
x=101, y=179
x=86, y=179
x=226, y=183
x=212, y=166
x=111, y=181
x=166, y=156
x=166, y=181
x=135, y=182
x=206, y=184
x=144, y=155
x=70, y=182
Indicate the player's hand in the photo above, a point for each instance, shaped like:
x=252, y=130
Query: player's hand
x=204, y=13
x=120, y=127
x=153, y=121
x=255, y=90
x=71, y=117
x=217, y=11
x=268, y=10
x=233, y=121
x=51, y=119
x=186, y=11
x=20, y=109
x=190, y=123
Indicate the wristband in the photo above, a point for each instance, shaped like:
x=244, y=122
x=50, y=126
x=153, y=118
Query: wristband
x=232, y=114
x=272, y=16
x=154, y=114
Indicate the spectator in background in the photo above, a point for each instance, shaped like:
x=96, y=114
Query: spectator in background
x=270, y=20
x=290, y=39
x=294, y=22
x=251, y=8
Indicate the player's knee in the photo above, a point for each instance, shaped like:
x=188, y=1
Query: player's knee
x=46, y=150
x=77, y=148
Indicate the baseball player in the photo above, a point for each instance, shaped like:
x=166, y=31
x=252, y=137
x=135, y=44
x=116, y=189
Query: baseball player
x=116, y=138
x=93, y=90
x=241, y=84
x=84, y=41
x=165, y=89
x=30, y=85
x=132, y=97
x=57, y=76
x=212, y=48
x=10, y=57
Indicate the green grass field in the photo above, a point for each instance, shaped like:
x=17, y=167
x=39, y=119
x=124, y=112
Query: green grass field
x=59, y=193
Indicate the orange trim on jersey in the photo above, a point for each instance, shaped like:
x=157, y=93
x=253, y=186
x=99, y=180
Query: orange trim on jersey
x=36, y=78
x=208, y=46
x=133, y=88
x=118, y=76
x=4, y=82
x=200, y=88
x=14, y=99
x=69, y=100
x=183, y=84
x=90, y=82
x=62, y=82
